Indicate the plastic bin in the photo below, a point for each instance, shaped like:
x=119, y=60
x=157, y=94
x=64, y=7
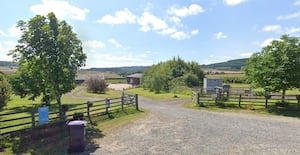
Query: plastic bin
x=77, y=136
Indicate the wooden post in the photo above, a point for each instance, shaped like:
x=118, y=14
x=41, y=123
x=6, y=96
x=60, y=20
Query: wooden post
x=298, y=98
x=122, y=101
x=197, y=99
x=266, y=104
x=106, y=105
x=32, y=119
x=89, y=104
x=136, y=102
x=240, y=99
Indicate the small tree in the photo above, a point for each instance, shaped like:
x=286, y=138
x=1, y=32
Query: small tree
x=96, y=84
x=4, y=91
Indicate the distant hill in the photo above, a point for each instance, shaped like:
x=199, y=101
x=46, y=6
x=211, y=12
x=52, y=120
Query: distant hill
x=228, y=65
x=7, y=64
x=123, y=71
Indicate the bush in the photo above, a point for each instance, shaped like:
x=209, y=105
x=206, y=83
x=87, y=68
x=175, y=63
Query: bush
x=96, y=85
x=191, y=80
x=5, y=91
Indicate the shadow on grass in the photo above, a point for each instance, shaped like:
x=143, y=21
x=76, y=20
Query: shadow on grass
x=50, y=138
x=290, y=111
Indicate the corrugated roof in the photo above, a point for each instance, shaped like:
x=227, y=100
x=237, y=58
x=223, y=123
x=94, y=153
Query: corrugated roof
x=136, y=75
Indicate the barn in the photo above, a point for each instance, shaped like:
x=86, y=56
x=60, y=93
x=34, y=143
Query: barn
x=135, y=79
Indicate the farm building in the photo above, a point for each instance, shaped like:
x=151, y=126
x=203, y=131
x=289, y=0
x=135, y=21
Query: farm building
x=81, y=77
x=135, y=79
x=210, y=85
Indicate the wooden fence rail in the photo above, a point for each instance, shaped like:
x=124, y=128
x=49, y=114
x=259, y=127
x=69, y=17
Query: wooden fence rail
x=11, y=122
x=241, y=99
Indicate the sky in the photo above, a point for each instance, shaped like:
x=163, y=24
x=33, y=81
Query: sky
x=119, y=33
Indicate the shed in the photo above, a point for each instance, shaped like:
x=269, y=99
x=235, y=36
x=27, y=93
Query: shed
x=135, y=79
x=209, y=85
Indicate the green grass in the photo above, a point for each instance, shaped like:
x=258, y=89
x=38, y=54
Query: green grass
x=108, y=94
x=249, y=108
x=57, y=143
x=104, y=124
x=159, y=96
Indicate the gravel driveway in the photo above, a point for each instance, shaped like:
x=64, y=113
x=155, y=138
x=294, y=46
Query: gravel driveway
x=172, y=129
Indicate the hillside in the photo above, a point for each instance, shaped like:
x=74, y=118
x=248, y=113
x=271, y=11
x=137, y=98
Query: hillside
x=123, y=71
x=7, y=64
x=228, y=65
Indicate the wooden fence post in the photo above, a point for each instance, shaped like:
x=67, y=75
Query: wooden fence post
x=267, y=97
x=136, y=102
x=89, y=104
x=298, y=98
x=122, y=101
x=32, y=119
x=240, y=100
x=197, y=99
x=107, y=105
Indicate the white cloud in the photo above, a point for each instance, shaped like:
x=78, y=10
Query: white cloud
x=194, y=32
x=220, y=35
x=180, y=35
x=151, y=22
x=61, y=9
x=292, y=30
x=95, y=59
x=296, y=3
x=2, y=33
x=248, y=54
x=289, y=16
x=168, y=31
x=5, y=47
x=115, y=43
x=193, y=9
x=92, y=44
x=120, y=17
x=14, y=31
x=176, y=21
x=269, y=28
x=234, y=2
x=267, y=42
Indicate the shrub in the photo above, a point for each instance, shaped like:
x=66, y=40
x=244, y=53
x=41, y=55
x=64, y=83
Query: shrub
x=191, y=80
x=96, y=84
x=5, y=91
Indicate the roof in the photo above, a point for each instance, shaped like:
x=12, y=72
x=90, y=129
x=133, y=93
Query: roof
x=136, y=75
x=87, y=76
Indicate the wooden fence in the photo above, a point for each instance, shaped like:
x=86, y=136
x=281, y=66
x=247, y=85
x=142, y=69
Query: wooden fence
x=15, y=121
x=241, y=99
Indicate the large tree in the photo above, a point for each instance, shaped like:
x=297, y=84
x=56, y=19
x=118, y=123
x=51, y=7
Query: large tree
x=277, y=66
x=48, y=54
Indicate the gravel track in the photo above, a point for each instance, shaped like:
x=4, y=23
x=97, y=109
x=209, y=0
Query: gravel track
x=172, y=129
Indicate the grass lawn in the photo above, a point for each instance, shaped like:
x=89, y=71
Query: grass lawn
x=57, y=143
x=250, y=108
x=108, y=94
x=159, y=96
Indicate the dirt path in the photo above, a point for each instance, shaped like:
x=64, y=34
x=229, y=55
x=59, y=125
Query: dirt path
x=172, y=129
x=78, y=95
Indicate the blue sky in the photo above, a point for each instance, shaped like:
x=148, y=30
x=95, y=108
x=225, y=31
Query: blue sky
x=144, y=32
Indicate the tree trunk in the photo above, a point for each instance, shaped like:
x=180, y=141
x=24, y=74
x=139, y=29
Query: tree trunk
x=283, y=96
x=58, y=99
